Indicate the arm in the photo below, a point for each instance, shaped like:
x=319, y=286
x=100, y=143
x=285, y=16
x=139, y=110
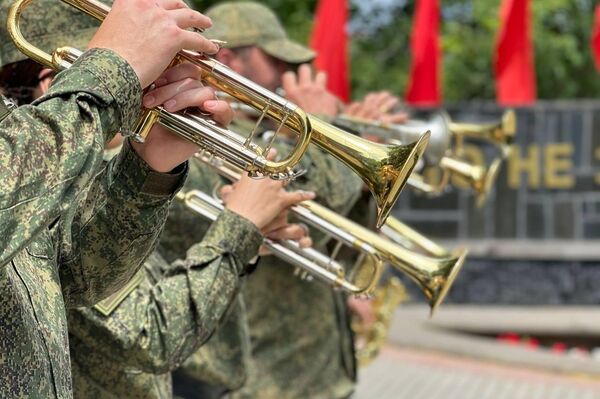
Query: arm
x=49, y=151
x=176, y=307
x=104, y=242
x=337, y=187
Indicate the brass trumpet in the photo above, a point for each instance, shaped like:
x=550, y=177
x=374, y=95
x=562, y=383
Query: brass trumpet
x=309, y=260
x=391, y=293
x=434, y=275
x=501, y=134
x=386, y=299
x=438, y=153
x=384, y=168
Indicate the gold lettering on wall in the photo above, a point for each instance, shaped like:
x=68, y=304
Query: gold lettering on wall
x=529, y=165
x=558, y=164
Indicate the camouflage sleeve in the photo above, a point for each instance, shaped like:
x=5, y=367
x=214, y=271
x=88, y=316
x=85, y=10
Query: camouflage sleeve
x=105, y=240
x=50, y=150
x=171, y=313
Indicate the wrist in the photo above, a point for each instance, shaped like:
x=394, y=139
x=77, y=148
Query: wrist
x=156, y=162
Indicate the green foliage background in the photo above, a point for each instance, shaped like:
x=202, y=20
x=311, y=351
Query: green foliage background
x=380, y=35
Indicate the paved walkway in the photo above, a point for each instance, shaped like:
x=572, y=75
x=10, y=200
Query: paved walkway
x=400, y=373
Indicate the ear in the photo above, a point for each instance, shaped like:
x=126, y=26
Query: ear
x=44, y=85
x=231, y=59
x=225, y=56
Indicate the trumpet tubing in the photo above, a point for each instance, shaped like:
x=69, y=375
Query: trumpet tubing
x=411, y=239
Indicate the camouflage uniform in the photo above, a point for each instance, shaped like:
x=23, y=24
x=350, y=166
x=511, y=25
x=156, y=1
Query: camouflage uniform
x=174, y=308
x=301, y=346
x=73, y=232
x=301, y=343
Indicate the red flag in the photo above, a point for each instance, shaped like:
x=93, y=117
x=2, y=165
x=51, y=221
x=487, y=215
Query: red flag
x=596, y=38
x=330, y=40
x=424, y=84
x=515, y=71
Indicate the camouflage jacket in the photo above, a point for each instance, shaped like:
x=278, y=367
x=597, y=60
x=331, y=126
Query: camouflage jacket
x=174, y=308
x=73, y=231
x=296, y=327
x=323, y=335
x=301, y=346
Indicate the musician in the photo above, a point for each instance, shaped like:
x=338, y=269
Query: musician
x=74, y=231
x=196, y=292
x=299, y=336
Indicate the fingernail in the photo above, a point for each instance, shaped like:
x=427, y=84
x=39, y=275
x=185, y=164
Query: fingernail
x=149, y=100
x=170, y=104
x=209, y=21
x=310, y=194
x=161, y=81
x=210, y=104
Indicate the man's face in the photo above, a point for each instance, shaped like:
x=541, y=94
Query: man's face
x=258, y=66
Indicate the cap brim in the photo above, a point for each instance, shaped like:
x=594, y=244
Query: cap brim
x=288, y=51
x=48, y=43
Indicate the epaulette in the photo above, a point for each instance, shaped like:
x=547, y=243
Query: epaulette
x=6, y=107
x=108, y=305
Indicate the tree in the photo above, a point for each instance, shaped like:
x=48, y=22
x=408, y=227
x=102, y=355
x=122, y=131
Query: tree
x=380, y=45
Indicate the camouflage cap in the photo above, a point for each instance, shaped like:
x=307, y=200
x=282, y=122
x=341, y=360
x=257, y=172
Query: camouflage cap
x=47, y=24
x=253, y=24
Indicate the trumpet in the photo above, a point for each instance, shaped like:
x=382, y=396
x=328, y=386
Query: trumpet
x=390, y=294
x=384, y=168
x=309, y=260
x=501, y=134
x=386, y=299
x=434, y=275
x=480, y=178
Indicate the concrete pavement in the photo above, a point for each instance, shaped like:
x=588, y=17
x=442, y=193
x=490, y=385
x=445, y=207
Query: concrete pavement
x=400, y=373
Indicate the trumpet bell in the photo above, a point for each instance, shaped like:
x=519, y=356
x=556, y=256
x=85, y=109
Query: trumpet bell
x=437, y=282
x=480, y=178
x=389, y=175
x=502, y=134
x=487, y=182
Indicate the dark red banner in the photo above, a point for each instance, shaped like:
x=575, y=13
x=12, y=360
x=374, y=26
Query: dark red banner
x=514, y=66
x=424, y=83
x=330, y=40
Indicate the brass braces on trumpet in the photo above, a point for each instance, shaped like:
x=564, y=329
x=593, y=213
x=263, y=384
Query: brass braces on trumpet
x=439, y=152
x=383, y=168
